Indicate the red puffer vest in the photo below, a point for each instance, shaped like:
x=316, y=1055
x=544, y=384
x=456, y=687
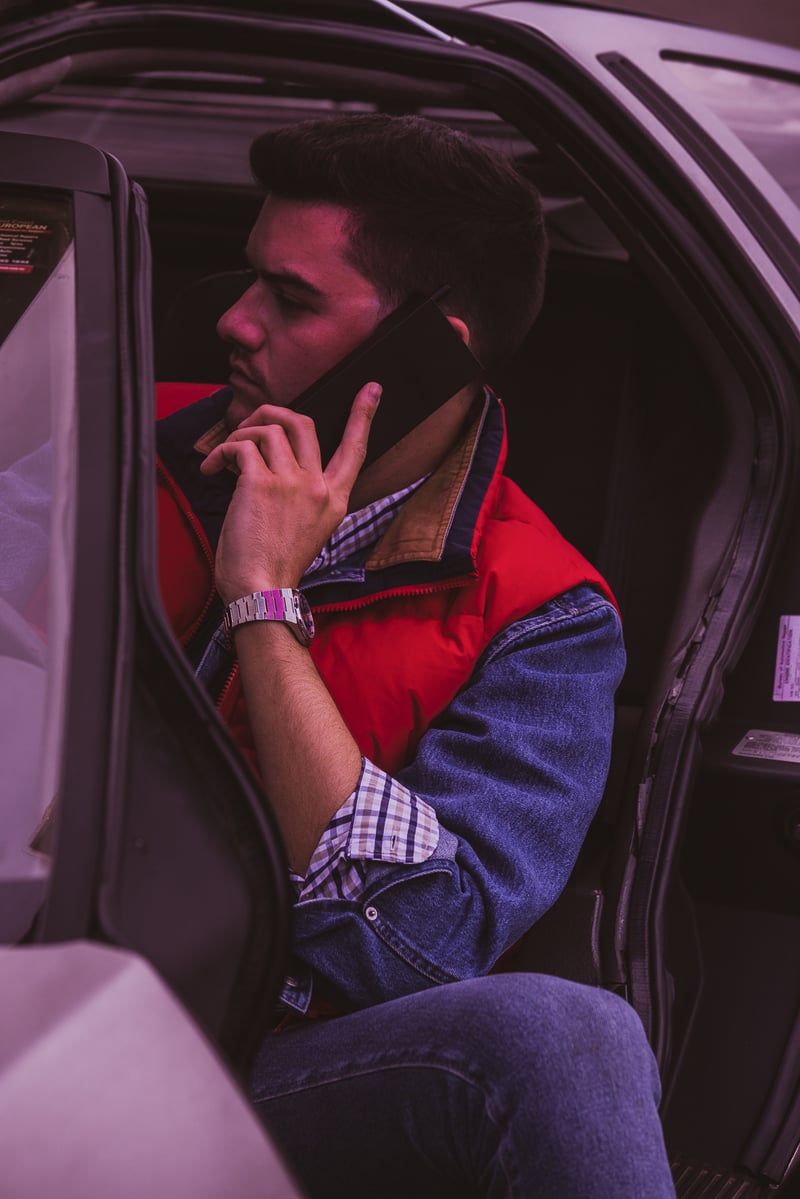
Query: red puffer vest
x=395, y=658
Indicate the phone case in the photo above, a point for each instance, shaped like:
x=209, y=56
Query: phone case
x=417, y=357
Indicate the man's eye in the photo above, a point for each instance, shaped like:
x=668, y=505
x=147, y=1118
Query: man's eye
x=288, y=303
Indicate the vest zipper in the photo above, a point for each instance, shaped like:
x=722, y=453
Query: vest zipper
x=394, y=593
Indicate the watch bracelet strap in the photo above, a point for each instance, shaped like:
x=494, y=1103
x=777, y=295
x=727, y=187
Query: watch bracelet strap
x=262, y=605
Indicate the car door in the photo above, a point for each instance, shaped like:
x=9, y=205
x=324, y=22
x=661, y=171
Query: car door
x=128, y=818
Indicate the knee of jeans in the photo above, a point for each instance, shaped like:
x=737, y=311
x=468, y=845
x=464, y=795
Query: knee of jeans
x=606, y=1034
x=550, y=1017
x=602, y=1015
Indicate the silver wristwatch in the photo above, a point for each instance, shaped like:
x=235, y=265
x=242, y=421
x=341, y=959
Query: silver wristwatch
x=286, y=605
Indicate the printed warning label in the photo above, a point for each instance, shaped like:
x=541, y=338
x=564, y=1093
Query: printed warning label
x=787, y=661
x=762, y=743
x=20, y=241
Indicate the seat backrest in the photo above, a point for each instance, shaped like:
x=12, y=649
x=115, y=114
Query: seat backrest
x=614, y=431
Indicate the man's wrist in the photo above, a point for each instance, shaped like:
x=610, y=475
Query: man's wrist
x=284, y=605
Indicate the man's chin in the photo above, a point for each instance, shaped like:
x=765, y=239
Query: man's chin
x=246, y=398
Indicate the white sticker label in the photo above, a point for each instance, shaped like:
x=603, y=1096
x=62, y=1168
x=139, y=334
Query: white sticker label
x=761, y=743
x=786, y=688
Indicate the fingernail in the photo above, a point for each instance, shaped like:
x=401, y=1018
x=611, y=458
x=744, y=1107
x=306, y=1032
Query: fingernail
x=375, y=391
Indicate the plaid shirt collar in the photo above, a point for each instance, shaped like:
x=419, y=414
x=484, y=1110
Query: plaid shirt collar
x=360, y=530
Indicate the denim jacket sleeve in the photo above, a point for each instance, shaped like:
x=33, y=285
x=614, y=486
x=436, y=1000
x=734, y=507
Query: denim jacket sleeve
x=514, y=769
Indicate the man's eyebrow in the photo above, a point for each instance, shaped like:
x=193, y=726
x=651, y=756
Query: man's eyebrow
x=290, y=278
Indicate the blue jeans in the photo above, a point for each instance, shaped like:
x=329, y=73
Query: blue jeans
x=513, y=1085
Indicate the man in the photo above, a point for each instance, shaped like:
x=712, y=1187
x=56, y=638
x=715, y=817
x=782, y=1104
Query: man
x=435, y=753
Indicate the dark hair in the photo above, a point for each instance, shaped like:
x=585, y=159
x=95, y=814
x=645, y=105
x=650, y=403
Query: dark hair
x=429, y=207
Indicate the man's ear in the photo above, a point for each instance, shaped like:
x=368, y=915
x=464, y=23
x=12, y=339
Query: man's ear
x=461, y=328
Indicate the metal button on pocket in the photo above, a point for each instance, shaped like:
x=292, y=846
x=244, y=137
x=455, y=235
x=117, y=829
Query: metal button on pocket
x=371, y=913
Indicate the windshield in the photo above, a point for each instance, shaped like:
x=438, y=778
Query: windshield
x=37, y=410
x=762, y=110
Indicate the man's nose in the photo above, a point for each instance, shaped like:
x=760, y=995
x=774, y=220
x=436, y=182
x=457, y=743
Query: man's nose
x=239, y=324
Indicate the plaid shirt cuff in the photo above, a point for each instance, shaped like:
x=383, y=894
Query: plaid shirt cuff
x=382, y=821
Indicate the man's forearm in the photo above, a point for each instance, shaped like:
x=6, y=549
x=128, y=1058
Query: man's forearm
x=308, y=759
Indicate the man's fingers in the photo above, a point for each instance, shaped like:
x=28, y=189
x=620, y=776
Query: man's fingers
x=272, y=444
x=238, y=455
x=283, y=440
x=299, y=429
x=348, y=459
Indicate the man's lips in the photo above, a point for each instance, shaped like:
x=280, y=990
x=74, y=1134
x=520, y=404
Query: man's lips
x=239, y=374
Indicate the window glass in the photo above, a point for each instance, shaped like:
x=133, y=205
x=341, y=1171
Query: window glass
x=37, y=415
x=763, y=112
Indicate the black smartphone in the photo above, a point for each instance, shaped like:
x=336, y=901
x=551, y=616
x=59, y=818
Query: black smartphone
x=419, y=360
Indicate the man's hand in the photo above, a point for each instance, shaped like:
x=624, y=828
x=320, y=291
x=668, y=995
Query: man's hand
x=285, y=506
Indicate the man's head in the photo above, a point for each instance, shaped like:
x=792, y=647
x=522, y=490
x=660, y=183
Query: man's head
x=428, y=207
x=372, y=209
